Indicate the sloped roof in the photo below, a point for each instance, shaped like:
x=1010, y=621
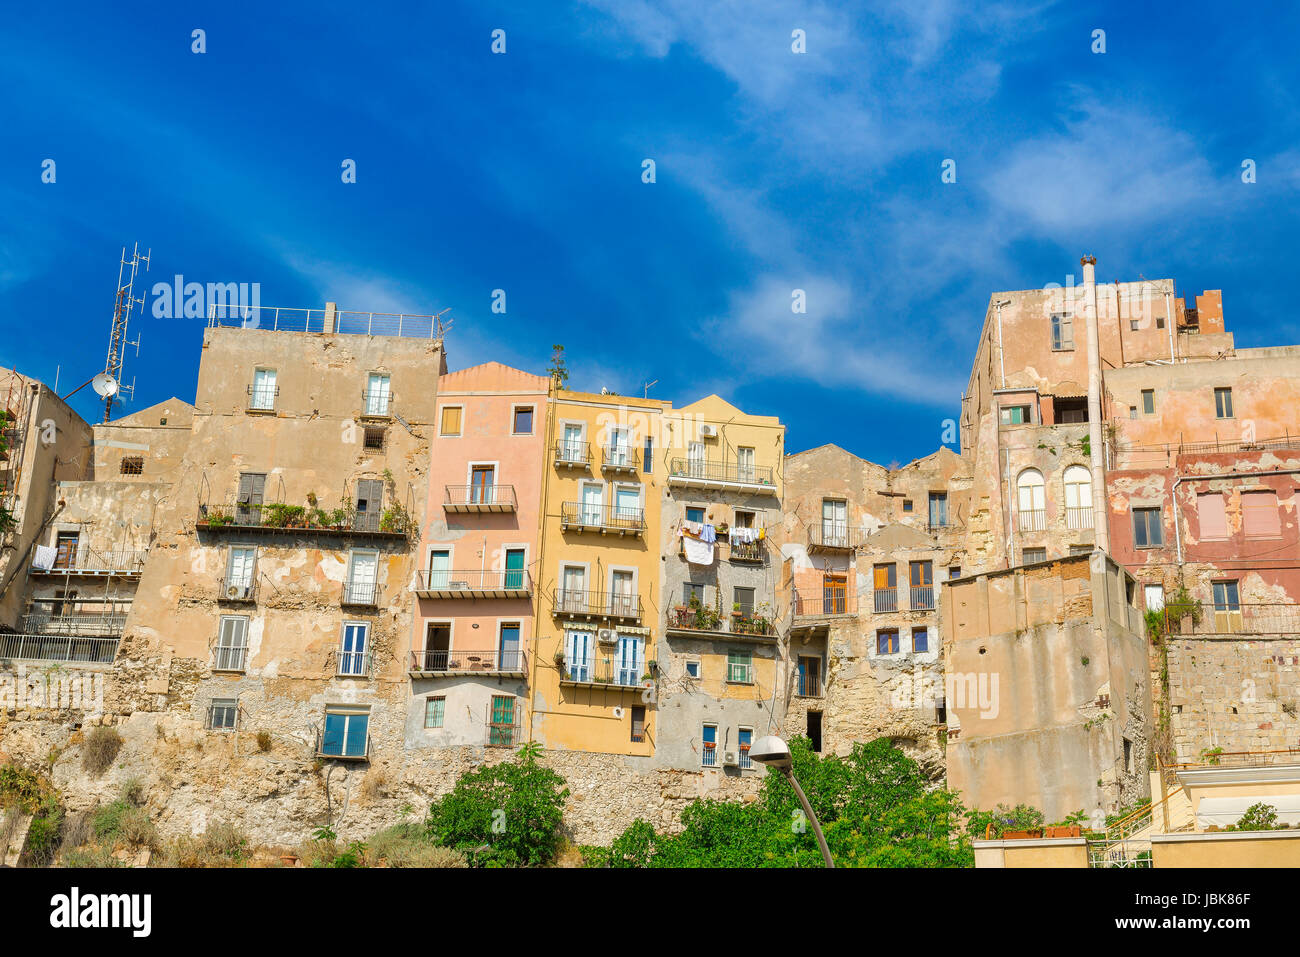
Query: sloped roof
x=492, y=377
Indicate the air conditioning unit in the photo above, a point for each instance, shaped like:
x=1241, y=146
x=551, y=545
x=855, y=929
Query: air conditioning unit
x=618, y=711
x=708, y=431
x=607, y=636
x=729, y=758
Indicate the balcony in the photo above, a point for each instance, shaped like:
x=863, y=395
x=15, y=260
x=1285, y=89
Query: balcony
x=885, y=600
x=378, y=404
x=605, y=670
x=1232, y=618
x=938, y=528
x=328, y=320
x=268, y=518
x=58, y=648
x=85, y=562
x=750, y=553
x=230, y=658
x=571, y=603
x=351, y=664
x=341, y=748
x=237, y=591
x=1033, y=520
x=922, y=597
x=479, y=498
x=1078, y=516
x=833, y=537
x=261, y=399
x=620, y=459
x=809, y=684
x=573, y=455
x=605, y=519
x=477, y=583
x=827, y=605
x=361, y=595
x=691, y=621
x=721, y=475
x=431, y=663
x=104, y=625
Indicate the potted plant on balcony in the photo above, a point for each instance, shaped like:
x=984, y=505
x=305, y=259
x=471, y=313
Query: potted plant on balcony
x=559, y=660
x=339, y=518
x=218, y=519
x=393, y=519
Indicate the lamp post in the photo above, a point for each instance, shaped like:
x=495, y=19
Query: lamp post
x=775, y=753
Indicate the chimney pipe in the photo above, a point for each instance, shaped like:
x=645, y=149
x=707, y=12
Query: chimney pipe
x=1100, y=515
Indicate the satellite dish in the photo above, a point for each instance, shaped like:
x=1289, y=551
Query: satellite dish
x=104, y=385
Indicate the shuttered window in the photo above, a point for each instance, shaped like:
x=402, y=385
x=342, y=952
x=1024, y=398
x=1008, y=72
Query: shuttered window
x=1214, y=519
x=232, y=644
x=450, y=420
x=1259, y=514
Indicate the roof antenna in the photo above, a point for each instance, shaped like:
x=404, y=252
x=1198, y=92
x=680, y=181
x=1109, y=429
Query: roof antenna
x=108, y=384
x=646, y=393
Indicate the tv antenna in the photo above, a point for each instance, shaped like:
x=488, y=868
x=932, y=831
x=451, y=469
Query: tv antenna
x=648, y=387
x=108, y=384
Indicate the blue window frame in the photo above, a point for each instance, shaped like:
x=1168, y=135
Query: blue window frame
x=345, y=734
x=694, y=513
x=352, y=656
x=920, y=640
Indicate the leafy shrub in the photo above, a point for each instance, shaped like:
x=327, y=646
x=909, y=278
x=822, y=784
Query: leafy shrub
x=221, y=845
x=22, y=788
x=508, y=815
x=634, y=847
x=100, y=750
x=122, y=821
x=1259, y=817
x=409, y=845
x=43, y=833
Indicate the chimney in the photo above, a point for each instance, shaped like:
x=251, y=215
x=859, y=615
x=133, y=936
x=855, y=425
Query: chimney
x=331, y=316
x=1100, y=516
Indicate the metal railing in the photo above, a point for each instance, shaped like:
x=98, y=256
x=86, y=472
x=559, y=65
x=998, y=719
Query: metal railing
x=834, y=536
x=1078, y=516
x=573, y=453
x=709, y=756
x=620, y=457
x=495, y=497
x=747, y=552
x=597, y=604
x=1033, y=520
x=470, y=581
x=505, y=734
x=229, y=657
x=809, y=684
x=833, y=603
x=58, y=648
x=339, y=749
x=107, y=625
x=279, y=516
x=1231, y=618
x=885, y=599
x=723, y=472
x=376, y=403
x=605, y=517
x=456, y=659
x=686, y=618
x=261, y=398
x=743, y=759
x=605, y=669
x=288, y=319
x=362, y=594
x=83, y=559
x=352, y=664
x=922, y=597
x=237, y=590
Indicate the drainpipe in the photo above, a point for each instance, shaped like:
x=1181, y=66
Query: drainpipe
x=1101, y=529
x=1169, y=322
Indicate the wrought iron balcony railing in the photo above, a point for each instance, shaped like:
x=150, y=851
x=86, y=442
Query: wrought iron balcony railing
x=352, y=664
x=237, y=590
x=229, y=657
x=809, y=684
x=922, y=597
x=698, y=472
x=108, y=625
x=751, y=552
x=706, y=620
x=83, y=560
x=885, y=600
x=1033, y=519
x=606, y=519
x=361, y=594
x=1231, y=618
x=573, y=454
x=377, y=403
x=470, y=661
x=1078, y=516
x=59, y=648
x=479, y=498
x=576, y=603
x=833, y=537
x=605, y=669
x=342, y=748
x=474, y=583
x=620, y=458
x=272, y=517
x=820, y=606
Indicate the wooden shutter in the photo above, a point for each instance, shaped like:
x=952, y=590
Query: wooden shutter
x=1259, y=514
x=1214, y=519
x=252, y=486
x=370, y=495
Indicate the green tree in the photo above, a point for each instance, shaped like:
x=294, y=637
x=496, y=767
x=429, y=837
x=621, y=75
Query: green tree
x=1258, y=817
x=508, y=815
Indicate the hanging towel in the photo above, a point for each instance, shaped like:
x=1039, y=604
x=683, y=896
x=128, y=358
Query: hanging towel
x=693, y=527
x=698, y=552
x=43, y=560
x=709, y=534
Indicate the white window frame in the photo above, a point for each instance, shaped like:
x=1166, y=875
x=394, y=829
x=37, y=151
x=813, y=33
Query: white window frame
x=386, y=391
x=264, y=392
x=219, y=659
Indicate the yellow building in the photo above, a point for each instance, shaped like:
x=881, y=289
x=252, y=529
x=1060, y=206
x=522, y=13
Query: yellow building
x=598, y=575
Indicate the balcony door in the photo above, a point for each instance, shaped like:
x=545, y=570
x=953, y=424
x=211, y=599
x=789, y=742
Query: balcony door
x=571, y=447
x=352, y=655
x=239, y=574
x=627, y=505
x=834, y=592
x=593, y=498
x=745, y=471
x=695, y=459
x=573, y=594
x=514, y=579
x=835, y=522
x=377, y=394
x=578, y=652
x=437, y=646
x=618, y=447
x=439, y=568
x=622, y=599
x=508, y=646
x=65, y=550
x=363, y=574
x=630, y=660
x=482, y=484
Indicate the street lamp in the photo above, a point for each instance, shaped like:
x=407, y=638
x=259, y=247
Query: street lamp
x=775, y=753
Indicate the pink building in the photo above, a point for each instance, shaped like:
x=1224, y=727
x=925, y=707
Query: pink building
x=474, y=621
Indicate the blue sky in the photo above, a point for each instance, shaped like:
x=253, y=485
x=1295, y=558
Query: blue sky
x=775, y=171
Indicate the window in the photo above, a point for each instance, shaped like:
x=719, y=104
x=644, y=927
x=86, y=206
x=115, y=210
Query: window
x=1062, y=332
x=709, y=738
x=501, y=728
x=369, y=505
x=1148, y=402
x=346, y=733
x=578, y=655
x=1014, y=415
x=907, y=505
x=377, y=394
x=954, y=571
x=514, y=569
x=223, y=715
x=834, y=594
x=922, y=582
x=629, y=660
x=1078, y=497
x=1068, y=410
x=692, y=669
x=362, y=587
x=450, y=422
x=1160, y=322
x=1133, y=325
x=692, y=592
x=1132, y=411
x=887, y=642
x=1213, y=516
x=743, y=600
x=248, y=510
x=835, y=522
x=573, y=595
x=1155, y=596
x=240, y=567
x=435, y=710
x=1032, y=501
x=1147, y=529
x=1226, y=596
x=694, y=513
x=938, y=509
x=132, y=465
x=373, y=437
x=571, y=446
x=1223, y=403
x=523, y=420
x=744, y=738
x=745, y=471
x=647, y=461
x=695, y=459
x=638, y=724
x=482, y=484
x=354, y=654
x=884, y=587
x=920, y=640
x=742, y=519
x=1259, y=514
x=810, y=675
x=740, y=667
x=65, y=549
x=263, y=391
x=618, y=452
x=232, y=643
x=1030, y=555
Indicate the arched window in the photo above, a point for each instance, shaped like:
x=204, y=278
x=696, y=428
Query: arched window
x=1078, y=497
x=1032, y=501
